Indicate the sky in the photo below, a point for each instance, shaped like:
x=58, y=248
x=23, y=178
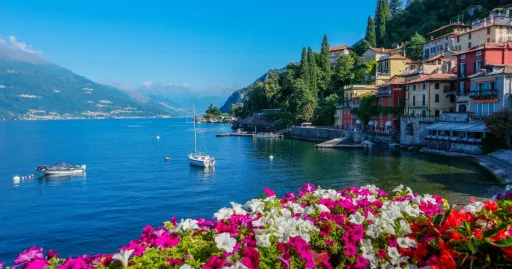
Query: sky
x=194, y=43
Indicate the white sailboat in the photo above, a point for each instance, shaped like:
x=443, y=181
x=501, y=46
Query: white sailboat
x=197, y=158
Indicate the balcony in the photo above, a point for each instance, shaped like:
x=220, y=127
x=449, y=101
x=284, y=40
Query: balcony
x=416, y=104
x=485, y=94
x=384, y=73
x=384, y=93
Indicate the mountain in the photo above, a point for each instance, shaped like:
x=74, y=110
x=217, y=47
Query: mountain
x=238, y=96
x=33, y=88
x=183, y=96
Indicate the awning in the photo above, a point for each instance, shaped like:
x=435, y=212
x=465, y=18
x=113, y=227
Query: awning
x=388, y=123
x=476, y=127
x=358, y=122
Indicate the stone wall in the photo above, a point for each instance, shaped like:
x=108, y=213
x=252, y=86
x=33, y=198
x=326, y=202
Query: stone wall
x=322, y=134
x=412, y=130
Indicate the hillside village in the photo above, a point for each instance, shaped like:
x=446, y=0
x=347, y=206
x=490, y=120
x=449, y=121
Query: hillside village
x=435, y=91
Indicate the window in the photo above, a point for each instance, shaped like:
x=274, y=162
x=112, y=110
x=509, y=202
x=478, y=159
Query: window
x=463, y=56
x=414, y=101
x=469, y=36
x=478, y=66
x=437, y=113
x=424, y=86
x=462, y=109
x=479, y=53
x=462, y=87
x=489, y=30
x=437, y=85
x=400, y=102
x=462, y=70
x=458, y=38
x=490, y=109
x=437, y=98
x=413, y=87
x=452, y=98
x=479, y=108
x=488, y=39
x=423, y=100
x=469, y=45
x=389, y=101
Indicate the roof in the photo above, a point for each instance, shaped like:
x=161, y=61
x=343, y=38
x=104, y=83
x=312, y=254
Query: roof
x=397, y=57
x=442, y=58
x=485, y=27
x=434, y=77
x=476, y=126
x=382, y=50
x=338, y=48
x=500, y=70
x=486, y=45
x=409, y=61
x=395, y=80
x=449, y=25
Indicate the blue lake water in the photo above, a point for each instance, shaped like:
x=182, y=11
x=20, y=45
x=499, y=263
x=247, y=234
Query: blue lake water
x=129, y=185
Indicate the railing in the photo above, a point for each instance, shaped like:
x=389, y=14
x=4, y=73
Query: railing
x=483, y=94
x=417, y=104
x=384, y=74
x=384, y=93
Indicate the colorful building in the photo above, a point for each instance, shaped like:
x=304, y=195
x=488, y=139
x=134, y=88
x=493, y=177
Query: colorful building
x=491, y=91
x=344, y=116
x=390, y=66
x=337, y=50
x=472, y=61
x=430, y=95
x=390, y=100
x=441, y=39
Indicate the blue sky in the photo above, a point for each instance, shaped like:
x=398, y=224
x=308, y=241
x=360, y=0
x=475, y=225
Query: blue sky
x=200, y=43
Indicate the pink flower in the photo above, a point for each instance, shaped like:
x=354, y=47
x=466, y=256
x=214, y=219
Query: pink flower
x=28, y=256
x=215, y=262
x=71, y=263
x=36, y=264
x=361, y=262
x=327, y=264
x=269, y=192
x=392, y=242
x=350, y=250
x=285, y=260
x=173, y=261
x=381, y=253
x=251, y=258
x=51, y=254
x=306, y=189
x=167, y=241
x=2, y=265
x=138, y=249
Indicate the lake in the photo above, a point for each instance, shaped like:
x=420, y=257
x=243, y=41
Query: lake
x=129, y=185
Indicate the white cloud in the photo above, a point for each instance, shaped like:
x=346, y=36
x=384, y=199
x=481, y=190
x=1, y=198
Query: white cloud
x=147, y=83
x=2, y=41
x=22, y=46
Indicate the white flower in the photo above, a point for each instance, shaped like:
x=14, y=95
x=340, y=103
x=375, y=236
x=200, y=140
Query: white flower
x=406, y=242
x=223, y=213
x=263, y=240
x=406, y=228
x=394, y=255
x=237, y=209
x=399, y=188
x=412, y=211
x=428, y=198
x=356, y=218
x=123, y=256
x=259, y=222
x=255, y=205
x=285, y=212
x=474, y=207
x=323, y=208
x=185, y=266
x=308, y=210
x=374, y=231
x=508, y=188
x=296, y=208
x=237, y=265
x=225, y=242
x=189, y=224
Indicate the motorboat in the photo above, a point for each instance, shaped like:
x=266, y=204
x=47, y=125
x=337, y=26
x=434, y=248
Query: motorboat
x=61, y=168
x=198, y=158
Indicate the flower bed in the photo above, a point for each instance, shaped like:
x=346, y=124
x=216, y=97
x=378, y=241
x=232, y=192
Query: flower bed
x=358, y=227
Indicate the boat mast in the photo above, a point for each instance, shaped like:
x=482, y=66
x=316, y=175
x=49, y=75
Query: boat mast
x=195, y=134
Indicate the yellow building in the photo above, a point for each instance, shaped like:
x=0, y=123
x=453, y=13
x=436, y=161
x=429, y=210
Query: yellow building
x=374, y=54
x=334, y=51
x=430, y=95
x=389, y=66
x=352, y=91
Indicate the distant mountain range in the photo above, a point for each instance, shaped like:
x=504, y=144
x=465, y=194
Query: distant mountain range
x=239, y=95
x=34, y=88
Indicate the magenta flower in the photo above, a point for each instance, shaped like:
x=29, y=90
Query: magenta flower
x=360, y=263
x=350, y=250
x=306, y=189
x=251, y=258
x=327, y=264
x=138, y=250
x=51, y=254
x=77, y=263
x=173, y=261
x=269, y=192
x=381, y=254
x=215, y=262
x=28, y=256
x=2, y=265
x=285, y=260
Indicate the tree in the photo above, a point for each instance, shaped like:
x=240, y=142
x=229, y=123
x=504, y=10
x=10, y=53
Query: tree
x=395, y=6
x=414, y=47
x=382, y=17
x=304, y=67
x=213, y=110
x=312, y=71
x=409, y=2
x=324, y=80
x=272, y=90
x=500, y=124
x=370, y=36
x=367, y=108
x=324, y=115
x=303, y=100
x=343, y=71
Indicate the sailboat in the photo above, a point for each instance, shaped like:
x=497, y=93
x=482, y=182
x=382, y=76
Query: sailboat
x=197, y=158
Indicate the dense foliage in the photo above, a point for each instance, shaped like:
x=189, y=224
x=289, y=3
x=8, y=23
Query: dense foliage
x=500, y=124
x=367, y=108
x=358, y=227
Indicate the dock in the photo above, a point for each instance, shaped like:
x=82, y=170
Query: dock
x=234, y=134
x=335, y=143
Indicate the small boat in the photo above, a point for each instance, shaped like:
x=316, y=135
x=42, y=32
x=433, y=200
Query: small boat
x=61, y=168
x=221, y=134
x=197, y=158
x=269, y=135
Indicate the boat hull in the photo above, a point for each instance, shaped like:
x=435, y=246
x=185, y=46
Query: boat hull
x=201, y=161
x=63, y=173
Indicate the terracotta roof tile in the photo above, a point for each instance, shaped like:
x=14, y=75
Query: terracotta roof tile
x=486, y=45
x=434, y=77
x=382, y=50
x=395, y=80
x=338, y=48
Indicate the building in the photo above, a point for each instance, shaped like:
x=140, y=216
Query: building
x=472, y=61
x=441, y=39
x=337, y=50
x=390, y=66
x=495, y=28
x=344, y=116
x=391, y=101
x=491, y=91
x=374, y=54
x=430, y=95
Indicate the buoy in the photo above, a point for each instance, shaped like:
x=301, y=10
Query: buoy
x=271, y=157
x=16, y=178
x=157, y=137
x=167, y=159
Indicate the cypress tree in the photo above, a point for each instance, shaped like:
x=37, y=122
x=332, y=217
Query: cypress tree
x=324, y=81
x=382, y=16
x=395, y=6
x=304, y=70
x=312, y=71
x=370, y=32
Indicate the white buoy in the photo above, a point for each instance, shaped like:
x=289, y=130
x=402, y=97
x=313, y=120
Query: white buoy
x=157, y=137
x=16, y=179
x=271, y=157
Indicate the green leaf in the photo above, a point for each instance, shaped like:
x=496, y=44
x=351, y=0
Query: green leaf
x=491, y=232
x=438, y=219
x=503, y=243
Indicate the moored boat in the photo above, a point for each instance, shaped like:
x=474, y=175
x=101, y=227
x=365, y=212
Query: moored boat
x=196, y=158
x=61, y=168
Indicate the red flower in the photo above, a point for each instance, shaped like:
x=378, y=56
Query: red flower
x=455, y=235
x=491, y=206
x=477, y=233
x=499, y=236
x=508, y=251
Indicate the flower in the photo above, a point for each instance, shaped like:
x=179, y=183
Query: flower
x=356, y=218
x=28, y=256
x=189, y=224
x=405, y=242
x=225, y=242
x=269, y=192
x=123, y=256
x=263, y=240
x=223, y=213
x=138, y=250
x=394, y=255
x=50, y=255
x=186, y=266
x=215, y=262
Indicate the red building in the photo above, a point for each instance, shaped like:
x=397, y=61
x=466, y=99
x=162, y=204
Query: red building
x=471, y=61
x=391, y=94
